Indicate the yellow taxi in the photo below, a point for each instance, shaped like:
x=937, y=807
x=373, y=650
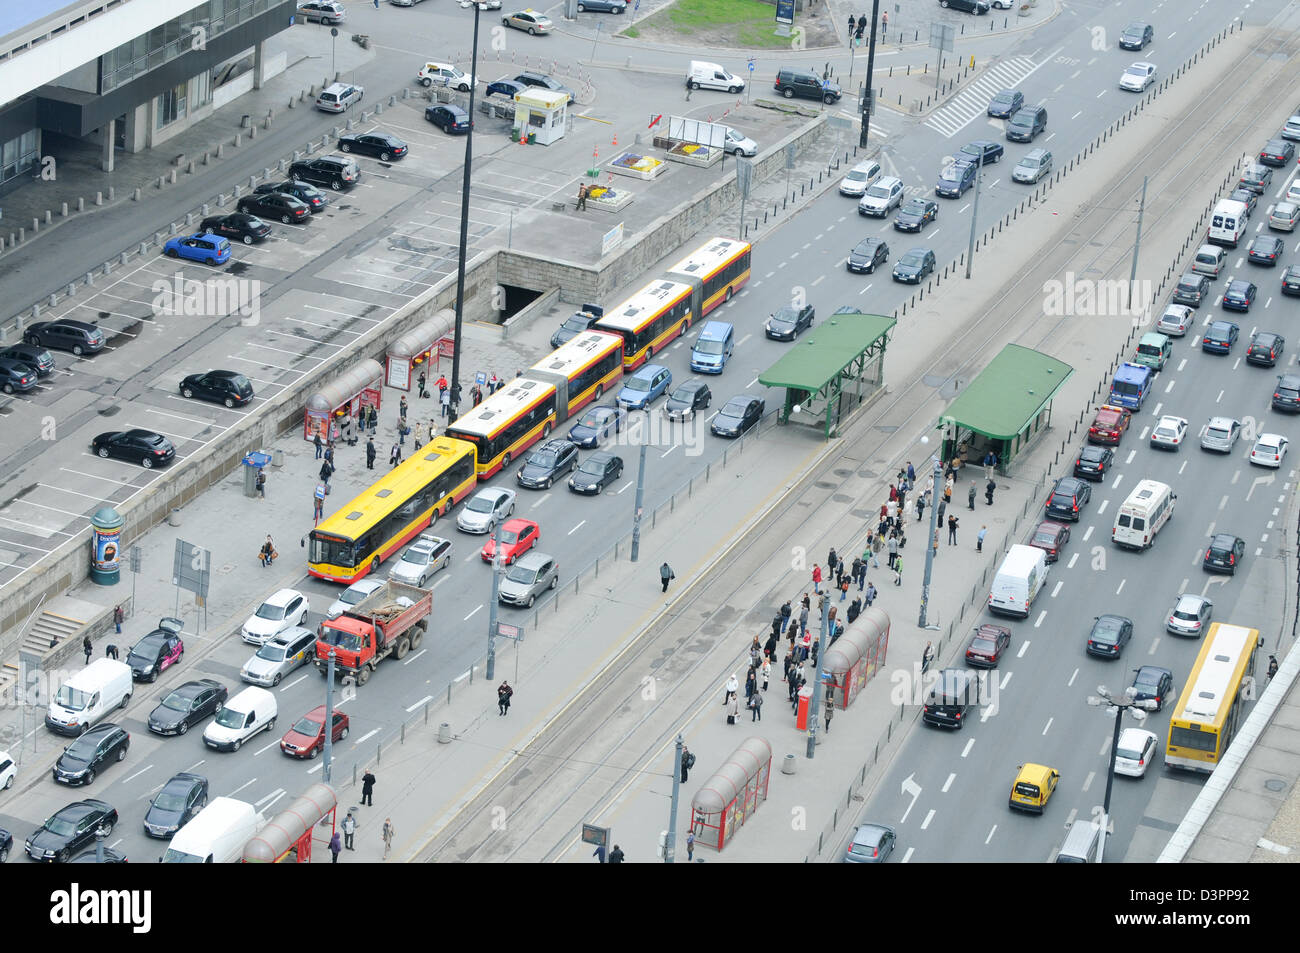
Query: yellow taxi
x=529, y=20
x=1034, y=784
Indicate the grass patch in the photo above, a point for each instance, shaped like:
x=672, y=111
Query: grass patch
x=737, y=23
x=632, y=32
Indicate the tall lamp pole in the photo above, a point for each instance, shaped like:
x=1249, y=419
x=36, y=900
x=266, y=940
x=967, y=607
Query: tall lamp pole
x=1138, y=709
x=871, y=76
x=929, y=540
x=464, y=228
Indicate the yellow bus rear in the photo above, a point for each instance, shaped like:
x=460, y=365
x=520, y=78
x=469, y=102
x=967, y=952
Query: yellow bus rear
x=1212, y=705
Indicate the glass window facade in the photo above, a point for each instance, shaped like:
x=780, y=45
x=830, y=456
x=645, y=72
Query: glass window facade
x=171, y=105
x=18, y=155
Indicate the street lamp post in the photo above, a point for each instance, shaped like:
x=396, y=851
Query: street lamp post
x=492, y=606
x=929, y=540
x=871, y=75
x=329, y=717
x=814, y=703
x=1138, y=709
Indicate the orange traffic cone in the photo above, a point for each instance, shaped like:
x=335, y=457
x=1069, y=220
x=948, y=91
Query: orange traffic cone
x=615, y=142
x=523, y=137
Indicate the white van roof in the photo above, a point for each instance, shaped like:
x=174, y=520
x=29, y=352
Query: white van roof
x=250, y=697
x=1146, y=492
x=221, y=815
x=1021, y=559
x=99, y=672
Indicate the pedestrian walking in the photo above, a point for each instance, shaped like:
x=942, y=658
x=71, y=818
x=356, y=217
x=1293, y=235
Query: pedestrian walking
x=441, y=384
x=395, y=455
x=767, y=672
x=920, y=507
x=370, y=453
x=388, y=830
x=368, y=789
x=855, y=610
x=476, y=394
x=582, y=193
x=444, y=402
x=970, y=495
x=733, y=708
x=893, y=550
x=616, y=855
x=990, y=461
x=844, y=587
x=830, y=710
x=690, y=846
x=267, y=553
x=599, y=853
x=988, y=492
x=689, y=88
x=326, y=471
x=911, y=474
x=318, y=503
x=952, y=530
x=504, y=693
x=87, y=648
x=756, y=707
x=320, y=447
x=335, y=847
x=349, y=829
x=666, y=575
x=118, y=617
x=869, y=596
x=979, y=539
x=329, y=455
x=261, y=484
x=1272, y=667
x=898, y=571
x=420, y=383
x=927, y=656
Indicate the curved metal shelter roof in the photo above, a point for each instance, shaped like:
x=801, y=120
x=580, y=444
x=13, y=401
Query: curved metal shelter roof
x=1009, y=393
x=828, y=349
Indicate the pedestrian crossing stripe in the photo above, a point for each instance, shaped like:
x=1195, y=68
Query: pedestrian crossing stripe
x=973, y=102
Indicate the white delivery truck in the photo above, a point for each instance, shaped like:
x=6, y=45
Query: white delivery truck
x=1227, y=223
x=712, y=76
x=1019, y=579
x=88, y=696
x=216, y=835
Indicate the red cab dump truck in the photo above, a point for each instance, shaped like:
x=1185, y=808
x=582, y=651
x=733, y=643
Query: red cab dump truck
x=390, y=621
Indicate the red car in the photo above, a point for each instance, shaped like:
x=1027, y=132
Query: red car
x=987, y=643
x=1050, y=537
x=306, y=739
x=1109, y=424
x=517, y=537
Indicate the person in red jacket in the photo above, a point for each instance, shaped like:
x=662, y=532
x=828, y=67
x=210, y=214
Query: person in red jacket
x=817, y=578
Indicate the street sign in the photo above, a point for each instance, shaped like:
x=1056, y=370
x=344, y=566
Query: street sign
x=611, y=239
x=591, y=834
x=505, y=630
x=744, y=175
x=480, y=378
x=751, y=64
x=941, y=37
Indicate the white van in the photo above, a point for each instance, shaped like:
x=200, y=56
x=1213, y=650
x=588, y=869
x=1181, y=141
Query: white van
x=1143, y=514
x=216, y=835
x=712, y=76
x=88, y=696
x=1018, y=581
x=249, y=712
x=1081, y=843
x=1227, y=223
x=860, y=178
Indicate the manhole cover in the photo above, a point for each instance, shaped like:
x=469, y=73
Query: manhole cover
x=841, y=498
x=869, y=474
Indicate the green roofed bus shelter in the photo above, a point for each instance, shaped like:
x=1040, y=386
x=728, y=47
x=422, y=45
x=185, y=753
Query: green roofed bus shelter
x=836, y=367
x=1004, y=408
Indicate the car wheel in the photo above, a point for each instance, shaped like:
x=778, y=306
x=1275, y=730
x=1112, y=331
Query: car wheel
x=286, y=219
x=828, y=99
x=9, y=782
x=421, y=583
x=532, y=32
x=171, y=253
x=555, y=581
x=531, y=600
x=90, y=776
x=239, y=743
x=275, y=681
x=337, y=185
x=229, y=402
x=147, y=463
x=344, y=147
x=788, y=93
x=426, y=82
x=77, y=350
x=548, y=484
x=121, y=752
x=153, y=678
x=731, y=89
x=62, y=856
x=311, y=755
x=344, y=733
x=4, y=854
x=9, y=388
x=185, y=726
x=582, y=8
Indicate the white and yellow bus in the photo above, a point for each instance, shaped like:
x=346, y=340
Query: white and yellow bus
x=715, y=271
x=507, y=423
x=649, y=319
x=1213, y=702
x=581, y=370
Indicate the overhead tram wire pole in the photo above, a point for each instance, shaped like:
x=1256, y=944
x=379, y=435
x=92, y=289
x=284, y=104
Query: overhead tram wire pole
x=464, y=230
x=974, y=215
x=1137, y=243
x=1138, y=709
x=871, y=76
x=814, y=702
x=929, y=540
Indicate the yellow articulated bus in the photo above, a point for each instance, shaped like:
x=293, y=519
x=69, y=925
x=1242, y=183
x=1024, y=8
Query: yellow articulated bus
x=648, y=320
x=353, y=541
x=581, y=370
x=715, y=271
x=1212, y=705
x=507, y=423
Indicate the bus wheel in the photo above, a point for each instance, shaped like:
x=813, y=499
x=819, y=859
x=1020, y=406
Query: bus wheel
x=649, y=353
x=374, y=564
x=546, y=430
x=685, y=325
x=729, y=292
x=505, y=461
x=600, y=391
x=433, y=518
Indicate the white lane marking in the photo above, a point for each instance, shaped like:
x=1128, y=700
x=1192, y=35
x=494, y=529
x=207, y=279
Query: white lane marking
x=991, y=832
x=426, y=698
x=1087, y=782
x=947, y=784
x=472, y=614
x=966, y=750
x=1073, y=560
x=1048, y=727
x=1073, y=676
x=1121, y=586
x=1086, y=534
x=928, y=818
x=1041, y=616
x=1057, y=587
x=1024, y=647
x=578, y=527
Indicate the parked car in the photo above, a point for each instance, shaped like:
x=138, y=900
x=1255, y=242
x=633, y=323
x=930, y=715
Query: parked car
x=158, y=651
x=16, y=377
x=306, y=739
x=338, y=172
x=32, y=355
x=208, y=249
x=176, y=804
x=237, y=226
x=276, y=205
x=224, y=387
x=145, y=447
x=308, y=195
x=328, y=12
x=66, y=334
x=337, y=97
x=596, y=472
x=95, y=750
x=517, y=537
x=448, y=117
x=542, y=81
x=384, y=146
x=186, y=705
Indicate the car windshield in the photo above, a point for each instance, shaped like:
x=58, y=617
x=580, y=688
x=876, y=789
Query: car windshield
x=62, y=826
x=230, y=718
x=857, y=175
x=509, y=536
x=169, y=801
x=1004, y=98
x=1136, y=71
x=914, y=258
x=595, y=418
x=416, y=554
x=1106, y=628
x=1045, y=536
x=1124, y=387
x=272, y=652
x=785, y=315
x=543, y=458
x=914, y=207
x=73, y=699
x=271, y=612
x=637, y=383
x=592, y=467
x=146, y=648
x=878, y=191
x=981, y=644
x=179, y=702
x=521, y=574
x=865, y=248
x=1020, y=119
x=305, y=726
x=709, y=347
x=1263, y=447
x=735, y=407
x=1129, y=752
x=685, y=393
x=1218, y=432
x=354, y=594
x=481, y=504
x=575, y=323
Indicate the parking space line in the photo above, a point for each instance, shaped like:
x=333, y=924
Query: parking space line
x=192, y=420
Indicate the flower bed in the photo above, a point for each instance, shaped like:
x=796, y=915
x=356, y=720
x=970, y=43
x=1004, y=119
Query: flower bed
x=608, y=199
x=693, y=153
x=637, y=165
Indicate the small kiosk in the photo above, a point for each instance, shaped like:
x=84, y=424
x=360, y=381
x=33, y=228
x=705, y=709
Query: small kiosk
x=857, y=655
x=541, y=115
x=725, y=801
x=342, y=399
x=287, y=837
x=416, y=350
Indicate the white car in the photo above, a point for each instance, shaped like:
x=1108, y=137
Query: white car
x=482, y=4
x=1190, y=615
x=1293, y=191
x=1138, y=77
x=8, y=771
x=1269, y=450
x=1135, y=752
x=280, y=656
x=485, y=509
x=1220, y=434
x=424, y=557
x=1292, y=129
x=737, y=143
x=352, y=595
x=445, y=74
x=1176, y=320
x=282, y=611
x=1169, y=432
x=859, y=177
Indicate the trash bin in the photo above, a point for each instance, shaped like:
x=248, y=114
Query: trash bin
x=788, y=764
x=277, y=459
x=174, y=517
x=444, y=733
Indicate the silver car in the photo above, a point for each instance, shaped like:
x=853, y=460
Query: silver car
x=528, y=578
x=485, y=509
x=1220, y=434
x=279, y=657
x=422, y=559
x=1176, y=320
x=1190, y=615
x=737, y=143
x=871, y=844
x=352, y=595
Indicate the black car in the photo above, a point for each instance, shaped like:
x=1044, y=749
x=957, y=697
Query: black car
x=237, y=226
x=180, y=799
x=546, y=464
x=597, y=471
x=1191, y=290
x=1109, y=635
x=867, y=254
x=16, y=377
x=225, y=387
x=1136, y=36
x=1291, y=280
x=276, y=205
x=1068, y=498
x=1277, y=153
x=737, y=415
x=542, y=81
x=158, y=650
x=71, y=829
x=1153, y=683
x=308, y=195
x=687, y=398
x=967, y=6
x=1265, y=348
x=145, y=447
x=382, y=145
x=1256, y=178
x=983, y=151
x=806, y=84
x=1240, y=295
x=1286, y=395
x=914, y=266
x=1005, y=103
x=1224, y=554
x=786, y=323
x=95, y=750
x=506, y=87
x=1247, y=197
x=66, y=334
x=598, y=424
x=448, y=117
x=915, y=214
x=92, y=857
x=338, y=172
x=576, y=323
x=1093, y=462
x=37, y=358
x=1264, y=250
x=6, y=844
x=187, y=705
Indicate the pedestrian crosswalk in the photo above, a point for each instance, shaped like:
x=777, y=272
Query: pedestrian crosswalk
x=973, y=102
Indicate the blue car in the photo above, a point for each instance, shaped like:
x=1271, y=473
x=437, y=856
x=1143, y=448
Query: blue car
x=209, y=249
x=1220, y=337
x=1239, y=296
x=597, y=425
x=955, y=179
x=645, y=386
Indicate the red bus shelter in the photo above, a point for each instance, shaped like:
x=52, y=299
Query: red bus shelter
x=726, y=800
x=287, y=837
x=857, y=655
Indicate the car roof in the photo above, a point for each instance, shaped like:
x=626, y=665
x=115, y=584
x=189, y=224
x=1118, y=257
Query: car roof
x=1270, y=439
x=1150, y=670
x=1221, y=325
x=555, y=444
x=185, y=778
x=649, y=370
x=1171, y=419
x=600, y=456
x=1135, y=733
x=1191, y=599
x=533, y=559
x=493, y=492
x=1222, y=539
x=694, y=384
x=1222, y=422
x=1110, y=617
x=517, y=523
x=282, y=597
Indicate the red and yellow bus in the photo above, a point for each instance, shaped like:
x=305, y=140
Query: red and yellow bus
x=353, y=541
x=1214, y=699
x=581, y=370
x=649, y=319
x=715, y=271
x=507, y=423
